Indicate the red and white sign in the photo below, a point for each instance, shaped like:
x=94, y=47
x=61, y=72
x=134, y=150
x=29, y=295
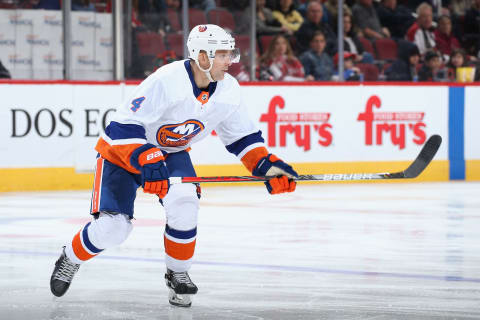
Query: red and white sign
x=60, y=124
x=335, y=123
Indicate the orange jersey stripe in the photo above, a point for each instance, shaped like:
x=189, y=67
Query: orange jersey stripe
x=118, y=155
x=78, y=249
x=97, y=185
x=251, y=158
x=179, y=251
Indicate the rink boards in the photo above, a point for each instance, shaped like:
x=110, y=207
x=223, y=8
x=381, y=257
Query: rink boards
x=49, y=129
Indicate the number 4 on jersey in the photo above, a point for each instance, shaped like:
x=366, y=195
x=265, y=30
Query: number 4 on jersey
x=136, y=103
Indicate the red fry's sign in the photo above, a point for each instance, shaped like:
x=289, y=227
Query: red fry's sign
x=302, y=125
x=395, y=123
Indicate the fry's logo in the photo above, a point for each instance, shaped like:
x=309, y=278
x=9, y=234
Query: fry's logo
x=180, y=134
x=316, y=121
x=16, y=19
x=52, y=20
x=391, y=122
x=34, y=39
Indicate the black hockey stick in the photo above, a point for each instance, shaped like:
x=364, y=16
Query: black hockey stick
x=425, y=156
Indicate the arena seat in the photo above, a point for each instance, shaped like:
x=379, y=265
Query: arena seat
x=175, y=43
x=386, y=49
x=370, y=71
x=221, y=17
x=196, y=17
x=367, y=46
x=174, y=20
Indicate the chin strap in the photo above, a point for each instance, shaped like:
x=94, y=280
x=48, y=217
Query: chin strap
x=207, y=71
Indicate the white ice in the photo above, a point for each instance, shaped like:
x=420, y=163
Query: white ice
x=356, y=251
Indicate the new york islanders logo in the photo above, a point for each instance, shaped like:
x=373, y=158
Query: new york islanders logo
x=202, y=28
x=179, y=134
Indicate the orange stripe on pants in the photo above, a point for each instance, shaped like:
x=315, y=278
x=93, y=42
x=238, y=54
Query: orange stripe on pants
x=78, y=249
x=97, y=185
x=179, y=251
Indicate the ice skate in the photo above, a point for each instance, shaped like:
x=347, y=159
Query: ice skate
x=181, y=288
x=62, y=275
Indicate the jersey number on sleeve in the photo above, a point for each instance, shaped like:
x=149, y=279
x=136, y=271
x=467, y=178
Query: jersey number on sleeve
x=136, y=103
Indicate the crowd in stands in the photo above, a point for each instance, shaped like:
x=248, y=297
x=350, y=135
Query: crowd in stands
x=407, y=40
x=387, y=40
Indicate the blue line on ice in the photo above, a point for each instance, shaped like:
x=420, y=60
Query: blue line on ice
x=269, y=267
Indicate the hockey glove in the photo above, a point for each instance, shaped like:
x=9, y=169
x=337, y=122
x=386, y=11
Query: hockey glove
x=284, y=174
x=149, y=160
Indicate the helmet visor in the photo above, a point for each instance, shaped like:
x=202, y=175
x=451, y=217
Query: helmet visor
x=228, y=55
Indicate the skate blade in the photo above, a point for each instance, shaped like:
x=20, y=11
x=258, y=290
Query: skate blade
x=179, y=300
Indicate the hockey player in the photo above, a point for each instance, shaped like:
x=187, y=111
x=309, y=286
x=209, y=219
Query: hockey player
x=148, y=141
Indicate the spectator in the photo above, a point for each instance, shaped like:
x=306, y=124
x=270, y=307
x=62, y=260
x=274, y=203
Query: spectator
x=205, y=5
x=350, y=72
x=242, y=16
x=459, y=8
x=302, y=9
x=317, y=63
x=153, y=15
x=312, y=24
x=444, y=39
x=431, y=67
x=472, y=30
x=238, y=5
x=405, y=67
x=331, y=10
x=286, y=14
x=352, y=44
x=173, y=4
x=82, y=5
x=421, y=31
x=365, y=17
x=457, y=60
x=279, y=63
x=4, y=73
x=239, y=71
x=266, y=23
x=397, y=19
x=135, y=22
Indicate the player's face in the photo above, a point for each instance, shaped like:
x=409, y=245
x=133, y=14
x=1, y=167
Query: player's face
x=223, y=60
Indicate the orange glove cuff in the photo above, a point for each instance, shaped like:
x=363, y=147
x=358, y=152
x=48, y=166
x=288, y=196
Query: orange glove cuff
x=251, y=158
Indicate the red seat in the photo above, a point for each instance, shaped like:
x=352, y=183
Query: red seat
x=386, y=49
x=175, y=43
x=150, y=43
x=174, y=20
x=9, y=5
x=243, y=43
x=367, y=46
x=196, y=17
x=265, y=42
x=370, y=71
x=222, y=18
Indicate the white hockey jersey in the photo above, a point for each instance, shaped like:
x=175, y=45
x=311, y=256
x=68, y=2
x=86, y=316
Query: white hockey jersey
x=169, y=111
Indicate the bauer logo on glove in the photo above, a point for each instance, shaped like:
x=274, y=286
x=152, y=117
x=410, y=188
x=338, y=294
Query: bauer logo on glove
x=149, y=160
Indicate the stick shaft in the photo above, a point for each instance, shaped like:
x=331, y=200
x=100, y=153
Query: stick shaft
x=416, y=167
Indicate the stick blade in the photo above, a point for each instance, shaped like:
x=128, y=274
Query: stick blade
x=424, y=158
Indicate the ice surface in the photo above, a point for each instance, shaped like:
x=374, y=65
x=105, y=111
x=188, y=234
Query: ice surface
x=356, y=251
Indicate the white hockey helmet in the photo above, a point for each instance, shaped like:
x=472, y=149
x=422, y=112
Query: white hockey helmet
x=210, y=38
